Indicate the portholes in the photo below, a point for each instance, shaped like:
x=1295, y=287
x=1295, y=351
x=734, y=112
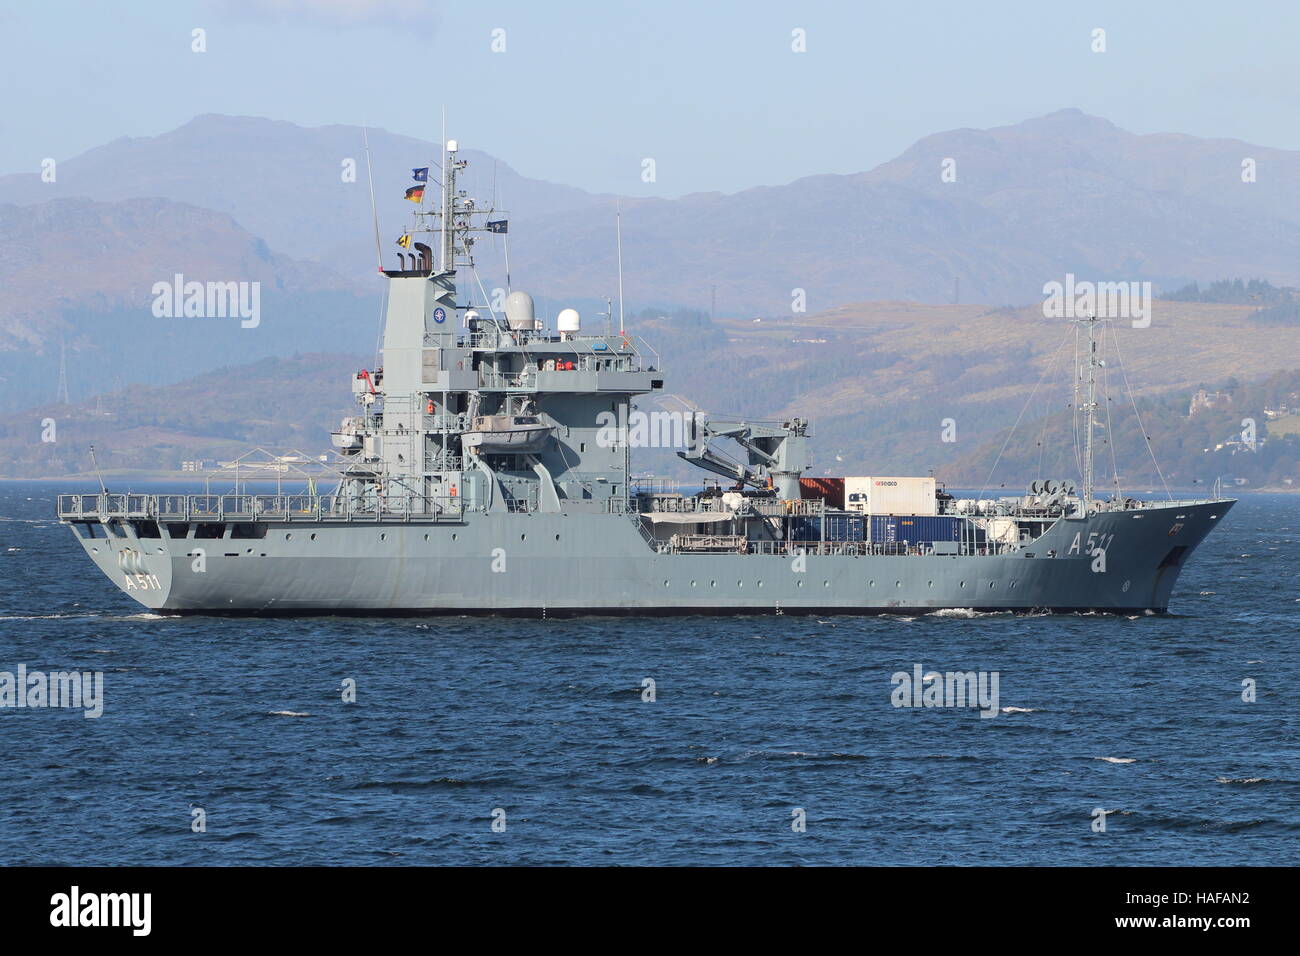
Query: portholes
x=740, y=584
x=557, y=537
x=426, y=536
x=799, y=583
x=898, y=584
x=871, y=583
x=931, y=584
x=287, y=536
x=692, y=584
x=383, y=536
x=313, y=537
x=455, y=536
x=826, y=584
x=1012, y=584
x=963, y=584
x=523, y=537
x=666, y=583
x=992, y=585
x=760, y=584
x=713, y=584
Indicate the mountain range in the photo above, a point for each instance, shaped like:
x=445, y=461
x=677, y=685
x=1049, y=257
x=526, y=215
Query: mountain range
x=980, y=216
x=1019, y=206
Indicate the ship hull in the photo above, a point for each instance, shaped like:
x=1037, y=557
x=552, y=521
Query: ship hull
x=556, y=564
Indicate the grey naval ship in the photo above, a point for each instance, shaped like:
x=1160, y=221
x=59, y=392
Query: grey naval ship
x=481, y=475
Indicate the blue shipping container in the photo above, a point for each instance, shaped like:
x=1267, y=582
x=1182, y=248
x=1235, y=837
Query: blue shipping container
x=843, y=528
x=915, y=529
x=838, y=528
x=805, y=529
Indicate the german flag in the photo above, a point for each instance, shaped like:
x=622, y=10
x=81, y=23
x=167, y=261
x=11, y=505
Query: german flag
x=415, y=194
x=405, y=241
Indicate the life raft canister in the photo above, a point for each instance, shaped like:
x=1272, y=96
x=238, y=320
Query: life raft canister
x=429, y=408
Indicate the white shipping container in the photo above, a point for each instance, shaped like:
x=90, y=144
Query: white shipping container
x=890, y=496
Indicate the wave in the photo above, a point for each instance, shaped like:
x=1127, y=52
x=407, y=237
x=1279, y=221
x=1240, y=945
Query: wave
x=86, y=615
x=288, y=713
x=1019, y=710
x=39, y=617
x=1117, y=759
x=437, y=783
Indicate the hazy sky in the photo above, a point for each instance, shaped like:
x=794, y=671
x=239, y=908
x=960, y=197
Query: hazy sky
x=587, y=89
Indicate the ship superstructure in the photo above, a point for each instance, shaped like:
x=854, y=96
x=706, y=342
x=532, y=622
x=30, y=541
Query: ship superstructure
x=481, y=473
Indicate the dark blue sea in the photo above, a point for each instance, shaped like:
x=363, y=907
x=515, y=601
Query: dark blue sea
x=755, y=718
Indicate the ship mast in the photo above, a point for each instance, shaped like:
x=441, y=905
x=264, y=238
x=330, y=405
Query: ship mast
x=448, y=197
x=1091, y=406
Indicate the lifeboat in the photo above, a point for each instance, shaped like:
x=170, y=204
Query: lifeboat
x=348, y=439
x=510, y=434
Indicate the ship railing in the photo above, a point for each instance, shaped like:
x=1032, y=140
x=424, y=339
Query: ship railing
x=653, y=484
x=635, y=517
x=448, y=421
x=585, y=349
x=708, y=543
x=252, y=508
x=501, y=338
x=507, y=380
x=798, y=507
x=642, y=349
x=443, y=463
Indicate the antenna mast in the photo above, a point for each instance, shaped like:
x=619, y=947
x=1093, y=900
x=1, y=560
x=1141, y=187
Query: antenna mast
x=1091, y=406
x=618, y=229
x=448, y=198
x=374, y=212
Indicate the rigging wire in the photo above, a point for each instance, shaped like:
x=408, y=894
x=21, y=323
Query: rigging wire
x=1042, y=437
x=1032, y=393
x=1074, y=408
x=1105, y=388
x=1138, y=415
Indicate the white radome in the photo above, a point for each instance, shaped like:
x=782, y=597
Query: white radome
x=568, y=321
x=519, y=311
